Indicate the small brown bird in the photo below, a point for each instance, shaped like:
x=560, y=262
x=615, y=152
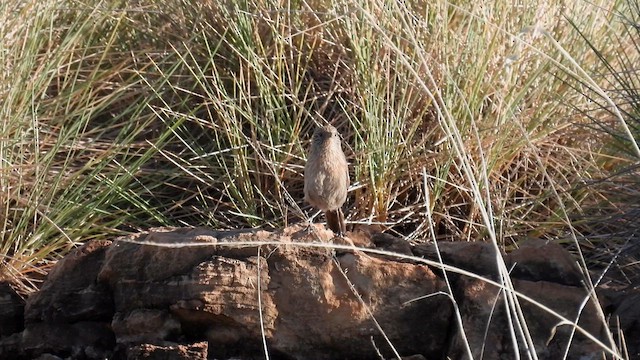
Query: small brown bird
x=326, y=177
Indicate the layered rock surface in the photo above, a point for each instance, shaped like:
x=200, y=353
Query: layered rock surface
x=200, y=293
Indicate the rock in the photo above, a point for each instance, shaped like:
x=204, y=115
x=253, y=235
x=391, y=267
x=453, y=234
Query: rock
x=307, y=305
x=629, y=315
x=71, y=292
x=10, y=346
x=622, y=306
x=476, y=257
x=199, y=293
x=391, y=243
x=320, y=317
x=79, y=340
x=48, y=357
x=168, y=351
x=143, y=325
x=483, y=310
x=208, y=294
x=537, y=260
x=11, y=310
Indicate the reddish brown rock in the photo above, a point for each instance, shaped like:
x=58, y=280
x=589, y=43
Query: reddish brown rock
x=307, y=305
x=485, y=321
x=167, y=351
x=71, y=292
x=220, y=294
x=144, y=325
x=321, y=317
x=191, y=290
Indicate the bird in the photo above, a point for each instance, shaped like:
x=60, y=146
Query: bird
x=326, y=177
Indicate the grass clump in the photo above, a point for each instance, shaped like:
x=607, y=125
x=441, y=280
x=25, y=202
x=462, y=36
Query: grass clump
x=182, y=114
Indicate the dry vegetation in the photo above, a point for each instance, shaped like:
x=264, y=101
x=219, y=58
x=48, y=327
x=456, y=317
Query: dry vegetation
x=119, y=116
